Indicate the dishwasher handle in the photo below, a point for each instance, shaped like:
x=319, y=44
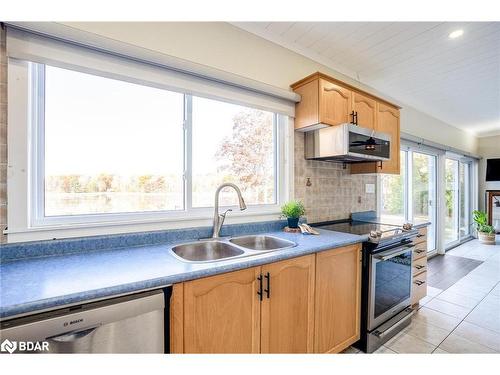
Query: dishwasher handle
x=74, y=335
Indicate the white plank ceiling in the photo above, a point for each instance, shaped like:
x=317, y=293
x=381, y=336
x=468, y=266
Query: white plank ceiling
x=454, y=80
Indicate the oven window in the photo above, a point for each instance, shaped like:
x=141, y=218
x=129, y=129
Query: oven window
x=392, y=282
x=366, y=145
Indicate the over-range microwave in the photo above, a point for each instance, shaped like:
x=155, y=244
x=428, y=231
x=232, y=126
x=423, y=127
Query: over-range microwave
x=347, y=143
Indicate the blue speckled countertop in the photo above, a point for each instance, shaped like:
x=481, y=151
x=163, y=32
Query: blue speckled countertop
x=33, y=284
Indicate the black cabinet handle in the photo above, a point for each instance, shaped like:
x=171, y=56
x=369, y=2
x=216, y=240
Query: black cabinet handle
x=268, y=289
x=356, y=117
x=259, y=293
x=353, y=121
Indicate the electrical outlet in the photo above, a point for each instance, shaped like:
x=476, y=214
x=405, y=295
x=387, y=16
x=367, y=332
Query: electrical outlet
x=370, y=188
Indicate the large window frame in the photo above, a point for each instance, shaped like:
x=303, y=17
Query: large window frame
x=408, y=214
x=26, y=147
x=440, y=247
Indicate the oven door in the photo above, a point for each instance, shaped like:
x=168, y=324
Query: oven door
x=389, y=283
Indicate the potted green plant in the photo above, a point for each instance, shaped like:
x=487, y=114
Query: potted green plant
x=293, y=210
x=485, y=232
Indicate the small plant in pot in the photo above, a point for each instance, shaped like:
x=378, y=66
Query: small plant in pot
x=485, y=232
x=293, y=210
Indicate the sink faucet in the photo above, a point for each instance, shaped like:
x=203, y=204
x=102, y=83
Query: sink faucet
x=219, y=218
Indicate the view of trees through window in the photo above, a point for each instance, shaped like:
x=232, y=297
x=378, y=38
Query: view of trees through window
x=411, y=194
x=393, y=192
x=113, y=146
x=242, y=153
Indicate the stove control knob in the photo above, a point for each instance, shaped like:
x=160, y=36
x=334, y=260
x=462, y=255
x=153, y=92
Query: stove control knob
x=374, y=234
x=379, y=233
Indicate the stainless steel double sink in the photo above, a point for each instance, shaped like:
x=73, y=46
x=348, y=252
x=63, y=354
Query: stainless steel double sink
x=223, y=249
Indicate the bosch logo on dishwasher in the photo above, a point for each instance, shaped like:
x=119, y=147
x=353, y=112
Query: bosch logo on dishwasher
x=71, y=322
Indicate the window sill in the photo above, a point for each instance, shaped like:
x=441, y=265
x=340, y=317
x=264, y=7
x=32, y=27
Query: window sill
x=72, y=230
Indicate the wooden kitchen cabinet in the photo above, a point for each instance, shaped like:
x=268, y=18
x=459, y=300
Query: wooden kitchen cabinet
x=217, y=314
x=419, y=260
x=326, y=101
x=322, y=102
x=387, y=121
x=308, y=304
x=338, y=298
x=365, y=109
x=287, y=318
x=225, y=314
x=335, y=103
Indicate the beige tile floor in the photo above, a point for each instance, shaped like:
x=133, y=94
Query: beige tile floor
x=465, y=318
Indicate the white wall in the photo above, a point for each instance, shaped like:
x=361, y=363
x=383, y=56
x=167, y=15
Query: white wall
x=226, y=47
x=488, y=147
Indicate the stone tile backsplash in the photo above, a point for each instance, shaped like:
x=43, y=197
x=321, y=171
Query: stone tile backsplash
x=334, y=193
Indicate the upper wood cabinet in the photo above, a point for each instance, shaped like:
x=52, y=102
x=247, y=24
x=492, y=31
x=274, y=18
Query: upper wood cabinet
x=328, y=101
x=387, y=122
x=365, y=109
x=287, y=318
x=322, y=102
x=335, y=103
x=338, y=298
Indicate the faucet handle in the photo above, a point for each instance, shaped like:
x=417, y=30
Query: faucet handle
x=223, y=215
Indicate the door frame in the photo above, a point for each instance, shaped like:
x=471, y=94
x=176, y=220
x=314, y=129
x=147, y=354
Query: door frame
x=471, y=203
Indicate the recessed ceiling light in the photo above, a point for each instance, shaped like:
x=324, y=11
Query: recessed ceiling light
x=456, y=34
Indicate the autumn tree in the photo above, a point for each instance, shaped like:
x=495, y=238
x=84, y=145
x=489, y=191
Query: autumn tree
x=247, y=156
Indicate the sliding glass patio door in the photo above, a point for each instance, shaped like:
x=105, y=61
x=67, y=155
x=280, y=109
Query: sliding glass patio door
x=423, y=185
x=411, y=195
x=457, y=225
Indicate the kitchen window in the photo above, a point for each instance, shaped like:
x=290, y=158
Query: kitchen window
x=124, y=139
x=108, y=146
x=106, y=150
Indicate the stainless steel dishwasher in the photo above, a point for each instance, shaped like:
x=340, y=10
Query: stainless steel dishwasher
x=129, y=324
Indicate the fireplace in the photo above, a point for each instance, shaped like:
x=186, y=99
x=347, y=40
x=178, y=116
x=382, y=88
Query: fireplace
x=493, y=208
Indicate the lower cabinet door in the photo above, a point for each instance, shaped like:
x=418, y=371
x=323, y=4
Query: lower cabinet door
x=287, y=312
x=338, y=297
x=222, y=313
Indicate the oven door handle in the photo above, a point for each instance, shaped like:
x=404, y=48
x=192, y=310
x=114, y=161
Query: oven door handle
x=382, y=335
x=394, y=253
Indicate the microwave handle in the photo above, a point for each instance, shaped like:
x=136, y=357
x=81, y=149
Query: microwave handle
x=394, y=253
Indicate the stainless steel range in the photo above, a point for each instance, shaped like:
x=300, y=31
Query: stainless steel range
x=386, y=279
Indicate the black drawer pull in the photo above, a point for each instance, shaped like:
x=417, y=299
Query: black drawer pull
x=259, y=293
x=419, y=266
x=268, y=289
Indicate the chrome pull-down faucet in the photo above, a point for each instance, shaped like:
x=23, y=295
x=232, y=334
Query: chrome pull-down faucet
x=219, y=218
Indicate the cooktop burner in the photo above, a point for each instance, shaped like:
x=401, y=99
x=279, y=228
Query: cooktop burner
x=358, y=227
x=378, y=233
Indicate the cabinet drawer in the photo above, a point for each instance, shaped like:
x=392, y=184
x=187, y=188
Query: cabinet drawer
x=419, y=251
x=419, y=266
x=419, y=287
x=421, y=236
